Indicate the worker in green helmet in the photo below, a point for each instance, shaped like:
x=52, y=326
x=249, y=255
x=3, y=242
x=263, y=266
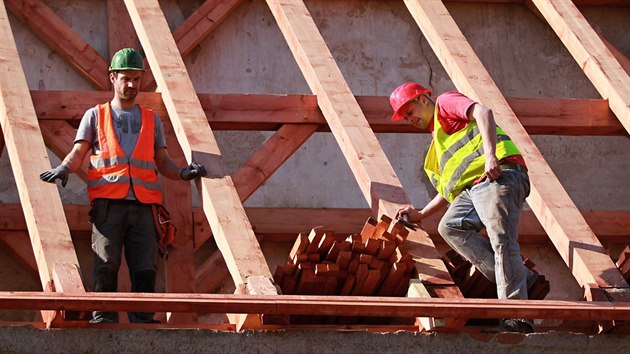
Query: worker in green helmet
x=127, y=145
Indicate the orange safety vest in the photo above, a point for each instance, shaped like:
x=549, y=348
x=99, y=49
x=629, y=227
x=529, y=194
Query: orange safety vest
x=112, y=172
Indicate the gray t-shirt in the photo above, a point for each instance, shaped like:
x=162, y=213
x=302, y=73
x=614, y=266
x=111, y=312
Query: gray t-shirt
x=127, y=123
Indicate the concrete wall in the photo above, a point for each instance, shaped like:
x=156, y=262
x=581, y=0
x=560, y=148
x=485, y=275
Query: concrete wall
x=377, y=46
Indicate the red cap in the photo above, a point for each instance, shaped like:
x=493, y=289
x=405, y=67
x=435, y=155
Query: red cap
x=404, y=94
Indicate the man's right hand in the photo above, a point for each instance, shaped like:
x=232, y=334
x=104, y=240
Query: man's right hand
x=60, y=171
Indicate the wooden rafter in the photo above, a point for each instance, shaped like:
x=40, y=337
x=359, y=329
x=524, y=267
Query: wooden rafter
x=591, y=54
x=55, y=32
x=199, y=25
x=232, y=231
x=202, y=22
x=18, y=244
x=269, y=112
x=573, y=238
x=371, y=168
x=41, y=203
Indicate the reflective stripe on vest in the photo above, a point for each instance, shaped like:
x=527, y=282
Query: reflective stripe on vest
x=112, y=172
x=455, y=161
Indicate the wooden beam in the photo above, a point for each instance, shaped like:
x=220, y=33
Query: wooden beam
x=197, y=26
x=59, y=138
x=41, y=203
x=568, y=230
x=18, y=244
x=367, y=306
x=232, y=231
x=269, y=112
x=591, y=54
x=202, y=22
x=269, y=157
x=264, y=162
x=284, y=224
x=60, y=37
x=179, y=263
x=371, y=168
x=120, y=31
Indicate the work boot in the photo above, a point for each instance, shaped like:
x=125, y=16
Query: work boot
x=142, y=282
x=516, y=325
x=105, y=280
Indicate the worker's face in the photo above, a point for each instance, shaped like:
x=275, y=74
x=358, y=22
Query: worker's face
x=419, y=112
x=126, y=83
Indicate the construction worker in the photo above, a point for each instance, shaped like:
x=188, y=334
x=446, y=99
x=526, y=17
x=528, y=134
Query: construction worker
x=127, y=144
x=476, y=168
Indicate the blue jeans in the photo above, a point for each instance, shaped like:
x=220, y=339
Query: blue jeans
x=495, y=206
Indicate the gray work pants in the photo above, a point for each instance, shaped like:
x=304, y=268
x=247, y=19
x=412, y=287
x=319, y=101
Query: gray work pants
x=496, y=206
x=128, y=225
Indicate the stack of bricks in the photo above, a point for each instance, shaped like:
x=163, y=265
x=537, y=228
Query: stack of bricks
x=623, y=263
x=366, y=264
x=474, y=285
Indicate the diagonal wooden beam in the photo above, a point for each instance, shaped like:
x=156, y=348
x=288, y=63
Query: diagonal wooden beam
x=202, y=22
x=18, y=244
x=247, y=179
x=254, y=172
x=568, y=230
x=59, y=138
x=41, y=202
x=371, y=168
x=55, y=32
x=221, y=204
x=197, y=27
x=591, y=54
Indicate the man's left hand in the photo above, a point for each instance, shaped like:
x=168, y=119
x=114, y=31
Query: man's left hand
x=192, y=171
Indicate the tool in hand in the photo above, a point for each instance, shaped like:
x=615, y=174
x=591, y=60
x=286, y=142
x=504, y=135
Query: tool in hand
x=404, y=220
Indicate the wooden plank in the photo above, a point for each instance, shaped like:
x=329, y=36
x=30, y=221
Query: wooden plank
x=179, y=264
x=568, y=230
x=120, y=31
x=232, y=231
x=254, y=172
x=60, y=37
x=371, y=168
x=220, y=200
x=202, y=22
x=591, y=54
x=269, y=112
x=59, y=138
x=198, y=26
x=41, y=203
x=318, y=305
x=282, y=224
x=18, y=244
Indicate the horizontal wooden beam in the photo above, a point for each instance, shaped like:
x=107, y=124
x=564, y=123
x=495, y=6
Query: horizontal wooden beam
x=284, y=224
x=269, y=112
x=368, y=306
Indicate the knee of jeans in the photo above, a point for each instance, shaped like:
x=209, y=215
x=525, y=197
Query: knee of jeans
x=443, y=228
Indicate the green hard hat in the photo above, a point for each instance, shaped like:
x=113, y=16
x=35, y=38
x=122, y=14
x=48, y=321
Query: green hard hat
x=127, y=59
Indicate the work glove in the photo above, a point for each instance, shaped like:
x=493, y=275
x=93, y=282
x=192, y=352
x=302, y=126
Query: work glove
x=192, y=171
x=60, y=172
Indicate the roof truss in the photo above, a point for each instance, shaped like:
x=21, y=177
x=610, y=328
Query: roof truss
x=333, y=107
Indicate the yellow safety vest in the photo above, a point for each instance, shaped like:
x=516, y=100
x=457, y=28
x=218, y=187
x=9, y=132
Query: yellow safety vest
x=455, y=161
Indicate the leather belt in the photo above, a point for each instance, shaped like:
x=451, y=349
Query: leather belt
x=513, y=166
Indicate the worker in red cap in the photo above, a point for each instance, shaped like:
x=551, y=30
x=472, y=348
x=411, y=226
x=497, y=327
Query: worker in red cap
x=478, y=169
